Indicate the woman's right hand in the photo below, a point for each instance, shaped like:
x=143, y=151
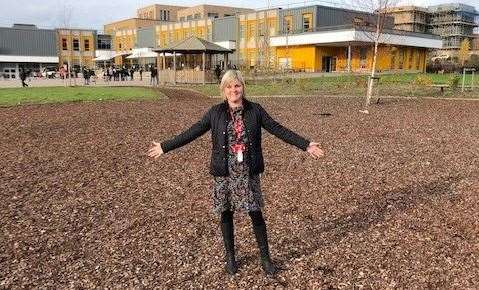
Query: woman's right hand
x=155, y=151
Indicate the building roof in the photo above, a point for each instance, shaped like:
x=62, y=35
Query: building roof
x=193, y=44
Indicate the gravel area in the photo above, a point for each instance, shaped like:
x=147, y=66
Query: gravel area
x=393, y=204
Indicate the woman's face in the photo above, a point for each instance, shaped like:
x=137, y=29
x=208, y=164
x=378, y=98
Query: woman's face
x=233, y=91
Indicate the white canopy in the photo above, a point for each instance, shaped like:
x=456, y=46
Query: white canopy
x=102, y=58
x=143, y=55
x=104, y=55
x=143, y=52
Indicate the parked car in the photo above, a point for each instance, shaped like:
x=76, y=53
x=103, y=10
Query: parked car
x=49, y=73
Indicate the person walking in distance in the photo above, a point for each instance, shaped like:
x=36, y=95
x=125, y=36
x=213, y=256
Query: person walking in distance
x=237, y=161
x=23, y=77
x=154, y=76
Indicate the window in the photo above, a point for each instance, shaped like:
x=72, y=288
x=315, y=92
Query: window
x=87, y=45
x=76, y=44
x=358, y=21
x=103, y=44
x=212, y=15
x=197, y=16
x=272, y=27
x=182, y=18
x=64, y=44
x=307, y=22
x=251, y=30
x=288, y=23
x=393, y=58
x=189, y=17
x=261, y=27
x=119, y=45
x=242, y=31
x=168, y=15
x=363, y=53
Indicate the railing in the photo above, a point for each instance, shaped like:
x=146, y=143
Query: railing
x=187, y=76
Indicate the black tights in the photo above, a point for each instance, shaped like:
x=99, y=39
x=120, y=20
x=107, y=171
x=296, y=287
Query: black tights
x=256, y=218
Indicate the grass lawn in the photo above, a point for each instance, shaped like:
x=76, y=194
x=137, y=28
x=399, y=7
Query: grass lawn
x=42, y=95
x=390, y=84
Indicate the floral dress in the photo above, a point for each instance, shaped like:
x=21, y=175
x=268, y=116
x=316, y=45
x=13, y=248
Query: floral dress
x=239, y=190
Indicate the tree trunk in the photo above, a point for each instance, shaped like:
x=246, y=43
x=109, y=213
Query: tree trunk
x=373, y=67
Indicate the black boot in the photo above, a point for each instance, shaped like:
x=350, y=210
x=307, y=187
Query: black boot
x=259, y=228
x=227, y=229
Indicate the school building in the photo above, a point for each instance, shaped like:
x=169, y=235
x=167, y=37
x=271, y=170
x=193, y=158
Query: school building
x=26, y=46
x=311, y=38
x=35, y=49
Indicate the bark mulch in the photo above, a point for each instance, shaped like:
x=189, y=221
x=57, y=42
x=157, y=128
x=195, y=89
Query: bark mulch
x=393, y=204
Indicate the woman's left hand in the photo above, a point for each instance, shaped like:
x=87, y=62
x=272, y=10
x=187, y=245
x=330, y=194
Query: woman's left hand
x=314, y=150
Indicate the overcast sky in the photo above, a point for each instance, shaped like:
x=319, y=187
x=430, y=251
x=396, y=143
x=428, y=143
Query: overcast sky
x=94, y=14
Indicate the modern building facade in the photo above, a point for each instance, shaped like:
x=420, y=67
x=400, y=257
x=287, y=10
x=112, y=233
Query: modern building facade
x=165, y=18
x=311, y=38
x=454, y=22
x=209, y=11
x=26, y=46
x=159, y=12
x=77, y=47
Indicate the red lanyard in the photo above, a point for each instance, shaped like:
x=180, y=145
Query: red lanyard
x=238, y=129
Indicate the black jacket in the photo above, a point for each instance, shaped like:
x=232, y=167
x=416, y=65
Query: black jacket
x=216, y=119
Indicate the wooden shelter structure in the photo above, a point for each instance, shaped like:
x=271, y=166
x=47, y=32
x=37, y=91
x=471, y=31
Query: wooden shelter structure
x=195, y=63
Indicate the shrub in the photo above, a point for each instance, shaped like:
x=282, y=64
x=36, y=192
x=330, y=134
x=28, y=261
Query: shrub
x=422, y=80
x=454, y=81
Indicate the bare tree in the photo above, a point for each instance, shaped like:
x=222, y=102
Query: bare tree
x=374, y=32
x=66, y=24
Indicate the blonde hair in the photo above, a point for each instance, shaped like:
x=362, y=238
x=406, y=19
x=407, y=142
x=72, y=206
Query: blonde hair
x=228, y=77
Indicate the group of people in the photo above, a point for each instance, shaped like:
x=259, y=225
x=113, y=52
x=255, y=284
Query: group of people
x=88, y=74
x=115, y=73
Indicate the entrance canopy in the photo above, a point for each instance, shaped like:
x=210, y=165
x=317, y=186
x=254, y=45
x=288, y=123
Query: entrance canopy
x=348, y=34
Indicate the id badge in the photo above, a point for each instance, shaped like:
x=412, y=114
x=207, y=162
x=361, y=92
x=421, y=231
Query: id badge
x=239, y=155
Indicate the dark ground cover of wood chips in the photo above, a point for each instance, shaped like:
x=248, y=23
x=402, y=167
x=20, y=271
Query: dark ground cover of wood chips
x=394, y=203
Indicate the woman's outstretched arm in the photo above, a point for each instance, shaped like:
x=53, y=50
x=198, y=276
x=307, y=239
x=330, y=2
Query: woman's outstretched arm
x=289, y=136
x=282, y=132
x=185, y=137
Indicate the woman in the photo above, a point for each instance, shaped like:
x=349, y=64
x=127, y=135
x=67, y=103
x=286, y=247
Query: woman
x=237, y=161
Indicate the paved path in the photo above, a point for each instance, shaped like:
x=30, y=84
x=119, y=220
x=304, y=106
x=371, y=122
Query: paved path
x=79, y=82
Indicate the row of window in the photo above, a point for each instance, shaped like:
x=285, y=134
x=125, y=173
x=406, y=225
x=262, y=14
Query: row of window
x=165, y=15
x=101, y=44
x=402, y=53
x=191, y=17
x=76, y=44
x=307, y=23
